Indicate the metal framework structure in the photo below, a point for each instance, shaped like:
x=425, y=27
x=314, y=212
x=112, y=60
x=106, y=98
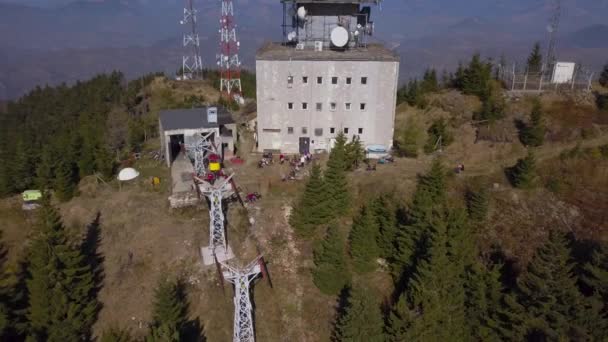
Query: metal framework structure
x=242, y=278
x=228, y=58
x=192, y=63
x=215, y=194
x=200, y=152
x=552, y=28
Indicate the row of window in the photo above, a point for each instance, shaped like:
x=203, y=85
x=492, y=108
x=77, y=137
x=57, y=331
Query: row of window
x=334, y=80
x=318, y=131
x=332, y=106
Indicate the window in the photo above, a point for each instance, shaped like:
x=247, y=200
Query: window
x=289, y=130
x=304, y=130
x=332, y=130
x=319, y=106
x=332, y=106
x=362, y=106
x=360, y=130
x=349, y=80
x=363, y=80
x=319, y=80
x=334, y=80
x=305, y=79
x=271, y=130
x=318, y=132
x=290, y=105
x=289, y=81
x=347, y=106
x=345, y=130
x=304, y=105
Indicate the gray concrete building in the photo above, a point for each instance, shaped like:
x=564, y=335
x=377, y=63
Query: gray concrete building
x=324, y=78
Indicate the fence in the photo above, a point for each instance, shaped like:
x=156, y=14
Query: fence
x=521, y=79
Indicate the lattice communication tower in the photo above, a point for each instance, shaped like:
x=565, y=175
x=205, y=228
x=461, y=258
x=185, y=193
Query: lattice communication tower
x=228, y=58
x=192, y=63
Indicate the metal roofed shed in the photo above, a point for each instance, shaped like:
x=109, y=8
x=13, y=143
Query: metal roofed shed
x=180, y=128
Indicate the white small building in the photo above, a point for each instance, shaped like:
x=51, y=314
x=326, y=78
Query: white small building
x=183, y=127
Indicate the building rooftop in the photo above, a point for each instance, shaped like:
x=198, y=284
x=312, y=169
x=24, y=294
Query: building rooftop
x=279, y=52
x=334, y=1
x=193, y=118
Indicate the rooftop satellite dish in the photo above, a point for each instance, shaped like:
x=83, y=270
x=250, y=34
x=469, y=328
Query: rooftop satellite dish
x=339, y=36
x=302, y=13
x=127, y=174
x=291, y=36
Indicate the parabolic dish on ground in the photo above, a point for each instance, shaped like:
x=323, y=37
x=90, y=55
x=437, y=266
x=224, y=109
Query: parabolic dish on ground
x=127, y=174
x=339, y=36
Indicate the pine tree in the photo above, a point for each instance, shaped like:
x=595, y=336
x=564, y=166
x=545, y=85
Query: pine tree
x=534, y=133
x=476, y=77
x=595, y=277
x=115, y=334
x=407, y=141
x=438, y=136
x=555, y=309
x=492, y=107
x=384, y=212
x=429, y=82
x=330, y=274
x=604, y=76
x=60, y=287
x=169, y=313
x=335, y=178
x=5, y=293
x=362, y=319
x=23, y=169
x=313, y=208
x=64, y=181
x=477, y=203
x=524, y=172
x=355, y=153
x=44, y=170
x=363, y=247
x=104, y=162
x=535, y=60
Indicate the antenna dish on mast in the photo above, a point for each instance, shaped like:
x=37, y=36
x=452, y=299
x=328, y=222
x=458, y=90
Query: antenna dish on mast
x=339, y=36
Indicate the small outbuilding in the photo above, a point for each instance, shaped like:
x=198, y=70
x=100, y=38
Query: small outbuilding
x=180, y=128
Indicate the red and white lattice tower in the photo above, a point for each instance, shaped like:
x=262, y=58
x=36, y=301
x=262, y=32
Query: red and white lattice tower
x=230, y=66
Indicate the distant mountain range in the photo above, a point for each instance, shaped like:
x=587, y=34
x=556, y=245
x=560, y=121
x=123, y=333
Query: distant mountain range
x=52, y=41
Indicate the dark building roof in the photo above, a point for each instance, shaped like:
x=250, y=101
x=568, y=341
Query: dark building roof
x=279, y=52
x=193, y=118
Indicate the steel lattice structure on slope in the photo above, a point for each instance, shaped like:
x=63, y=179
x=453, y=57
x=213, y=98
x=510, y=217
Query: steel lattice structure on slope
x=228, y=58
x=215, y=194
x=200, y=151
x=242, y=279
x=192, y=63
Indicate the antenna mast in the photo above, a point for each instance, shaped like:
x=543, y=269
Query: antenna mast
x=552, y=28
x=192, y=63
x=228, y=58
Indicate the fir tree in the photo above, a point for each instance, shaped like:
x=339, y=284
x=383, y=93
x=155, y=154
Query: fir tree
x=477, y=203
x=429, y=81
x=438, y=136
x=476, y=77
x=313, y=208
x=407, y=141
x=534, y=133
x=555, y=309
x=524, y=172
x=354, y=153
x=492, y=107
x=384, y=212
x=44, y=170
x=115, y=334
x=535, y=60
x=596, y=272
x=23, y=168
x=104, y=162
x=330, y=274
x=604, y=76
x=169, y=312
x=5, y=293
x=60, y=286
x=362, y=319
x=363, y=247
x=64, y=181
x=335, y=178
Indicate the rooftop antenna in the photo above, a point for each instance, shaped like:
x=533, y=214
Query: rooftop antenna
x=228, y=58
x=192, y=63
x=552, y=29
x=242, y=278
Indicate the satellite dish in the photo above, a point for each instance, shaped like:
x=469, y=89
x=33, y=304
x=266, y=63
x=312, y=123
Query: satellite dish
x=127, y=174
x=302, y=13
x=291, y=36
x=339, y=36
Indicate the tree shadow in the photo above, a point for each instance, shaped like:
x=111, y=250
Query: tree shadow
x=192, y=330
x=521, y=127
x=89, y=248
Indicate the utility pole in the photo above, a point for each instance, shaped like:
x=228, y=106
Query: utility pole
x=192, y=63
x=228, y=58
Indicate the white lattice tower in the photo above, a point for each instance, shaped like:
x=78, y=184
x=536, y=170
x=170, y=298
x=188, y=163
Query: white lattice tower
x=192, y=63
x=200, y=151
x=242, y=278
x=228, y=59
x=215, y=194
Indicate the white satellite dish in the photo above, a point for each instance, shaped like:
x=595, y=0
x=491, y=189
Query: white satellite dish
x=127, y=174
x=291, y=36
x=302, y=13
x=339, y=36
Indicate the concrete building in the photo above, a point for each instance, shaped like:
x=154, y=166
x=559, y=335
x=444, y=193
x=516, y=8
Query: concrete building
x=185, y=126
x=325, y=79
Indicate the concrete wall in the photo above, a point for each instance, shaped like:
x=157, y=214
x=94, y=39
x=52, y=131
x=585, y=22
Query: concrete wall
x=274, y=94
